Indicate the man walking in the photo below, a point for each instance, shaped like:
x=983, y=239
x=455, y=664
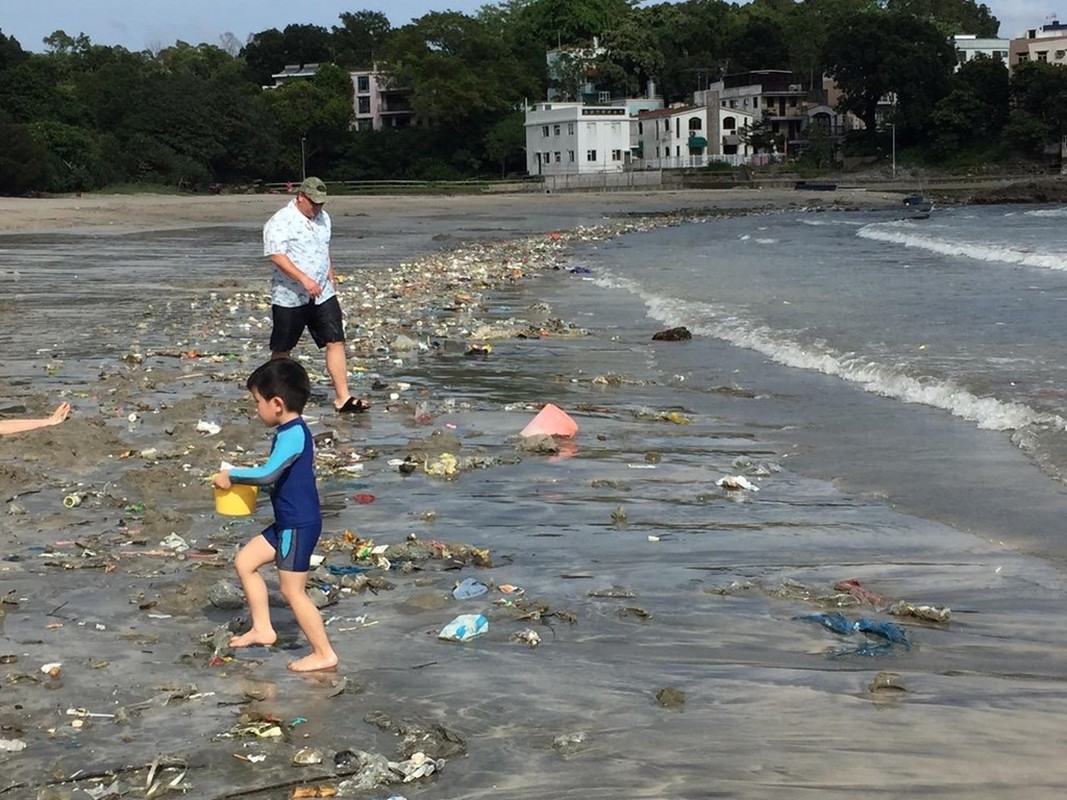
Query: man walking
x=297, y=241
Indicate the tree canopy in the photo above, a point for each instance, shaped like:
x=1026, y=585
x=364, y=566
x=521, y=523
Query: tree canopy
x=81, y=115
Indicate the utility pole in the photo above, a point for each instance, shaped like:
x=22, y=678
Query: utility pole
x=893, y=126
x=303, y=160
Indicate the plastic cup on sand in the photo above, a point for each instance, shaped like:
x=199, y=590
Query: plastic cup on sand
x=237, y=501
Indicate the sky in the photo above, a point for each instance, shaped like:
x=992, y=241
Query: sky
x=152, y=24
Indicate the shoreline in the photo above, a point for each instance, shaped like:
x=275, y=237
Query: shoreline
x=120, y=214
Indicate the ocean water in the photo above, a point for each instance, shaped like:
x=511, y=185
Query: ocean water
x=896, y=406
x=910, y=355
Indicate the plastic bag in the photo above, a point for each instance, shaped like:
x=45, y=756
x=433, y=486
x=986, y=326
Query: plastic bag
x=464, y=628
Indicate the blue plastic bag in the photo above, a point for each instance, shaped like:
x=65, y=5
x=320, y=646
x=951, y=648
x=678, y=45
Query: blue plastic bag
x=468, y=588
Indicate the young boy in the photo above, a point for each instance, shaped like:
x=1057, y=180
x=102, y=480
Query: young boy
x=281, y=389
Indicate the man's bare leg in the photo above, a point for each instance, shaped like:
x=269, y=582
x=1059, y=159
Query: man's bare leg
x=337, y=367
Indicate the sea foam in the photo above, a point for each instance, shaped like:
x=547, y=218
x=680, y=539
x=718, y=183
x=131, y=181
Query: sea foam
x=910, y=234
x=732, y=326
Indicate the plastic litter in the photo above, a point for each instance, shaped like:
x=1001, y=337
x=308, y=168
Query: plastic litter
x=468, y=588
x=464, y=628
x=210, y=428
x=736, y=482
x=551, y=421
x=925, y=613
x=528, y=637
x=858, y=590
x=888, y=633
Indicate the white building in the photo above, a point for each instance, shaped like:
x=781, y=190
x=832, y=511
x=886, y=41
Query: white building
x=968, y=46
x=692, y=136
x=572, y=138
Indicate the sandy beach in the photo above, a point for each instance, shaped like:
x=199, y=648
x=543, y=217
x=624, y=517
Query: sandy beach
x=640, y=658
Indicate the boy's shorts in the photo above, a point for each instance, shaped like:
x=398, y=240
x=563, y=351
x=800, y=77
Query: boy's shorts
x=322, y=320
x=293, y=546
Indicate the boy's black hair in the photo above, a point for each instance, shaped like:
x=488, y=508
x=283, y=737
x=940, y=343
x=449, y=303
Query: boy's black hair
x=284, y=378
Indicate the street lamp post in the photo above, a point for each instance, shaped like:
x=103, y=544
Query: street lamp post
x=893, y=126
x=303, y=160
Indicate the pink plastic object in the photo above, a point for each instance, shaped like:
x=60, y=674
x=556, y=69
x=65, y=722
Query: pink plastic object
x=551, y=421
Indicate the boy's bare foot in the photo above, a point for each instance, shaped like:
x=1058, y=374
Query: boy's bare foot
x=254, y=637
x=314, y=663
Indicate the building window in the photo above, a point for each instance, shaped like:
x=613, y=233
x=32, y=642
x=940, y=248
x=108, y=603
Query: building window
x=590, y=155
x=555, y=130
x=729, y=123
x=570, y=129
x=559, y=157
x=570, y=156
x=544, y=131
x=616, y=155
x=1042, y=55
x=616, y=129
x=364, y=124
x=696, y=124
x=640, y=128
x=363, y=84
x=363, y=105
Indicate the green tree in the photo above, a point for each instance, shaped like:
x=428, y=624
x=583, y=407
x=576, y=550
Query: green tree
x=760, y=43
x=694, y=38
x=269, y=51
x=458, y=71
x=11, y=52
x=951, y=16
x=315, y=114
x=360, y=37
x=505, y=143
x=73, y=156
x=631, y=56
x=23, y=161
x=1038, y=105
x=879, y=55
x=555, y=23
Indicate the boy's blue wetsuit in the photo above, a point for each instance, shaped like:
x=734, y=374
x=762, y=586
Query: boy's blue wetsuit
x=290, y=473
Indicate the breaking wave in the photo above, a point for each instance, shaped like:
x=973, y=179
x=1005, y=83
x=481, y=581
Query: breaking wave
x=1048, y=212
x=909, y=234
x=719, y=322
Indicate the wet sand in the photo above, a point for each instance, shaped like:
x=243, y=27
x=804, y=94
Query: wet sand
x=692, y=588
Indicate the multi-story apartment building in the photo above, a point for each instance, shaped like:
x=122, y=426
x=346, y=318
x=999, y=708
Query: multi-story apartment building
x=573, y=138
x=378, y=105
x=968, y=47
x=1047, y=43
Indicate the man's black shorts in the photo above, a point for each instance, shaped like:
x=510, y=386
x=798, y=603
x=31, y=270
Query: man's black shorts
x=323, y=321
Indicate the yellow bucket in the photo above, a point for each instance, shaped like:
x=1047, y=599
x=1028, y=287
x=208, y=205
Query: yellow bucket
x=237, y=501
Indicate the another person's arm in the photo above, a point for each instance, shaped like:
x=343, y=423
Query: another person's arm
x=10, y=426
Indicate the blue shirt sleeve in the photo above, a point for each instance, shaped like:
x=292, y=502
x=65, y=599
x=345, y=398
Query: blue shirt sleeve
x=288, y=445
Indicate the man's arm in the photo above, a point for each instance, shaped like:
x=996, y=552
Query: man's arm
x=286, y=265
